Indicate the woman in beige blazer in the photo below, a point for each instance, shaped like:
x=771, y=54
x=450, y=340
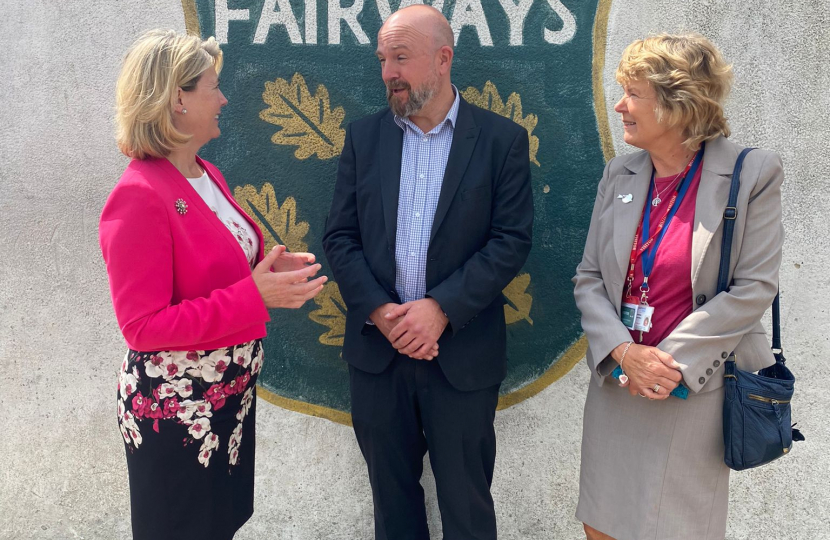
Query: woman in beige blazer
x=652, y=462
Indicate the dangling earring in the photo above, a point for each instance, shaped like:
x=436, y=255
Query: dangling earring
x=184, y=111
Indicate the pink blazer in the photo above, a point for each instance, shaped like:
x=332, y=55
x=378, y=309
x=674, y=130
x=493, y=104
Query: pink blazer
x=178, y=281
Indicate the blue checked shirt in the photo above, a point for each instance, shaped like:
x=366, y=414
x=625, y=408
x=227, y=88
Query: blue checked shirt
x=423, y=161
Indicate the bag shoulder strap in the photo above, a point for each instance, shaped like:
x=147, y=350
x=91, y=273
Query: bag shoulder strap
x=776, y=327
x=730, y=213
x=729, y=216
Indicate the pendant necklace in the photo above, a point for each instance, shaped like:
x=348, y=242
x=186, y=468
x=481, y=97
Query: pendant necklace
x=657, y=200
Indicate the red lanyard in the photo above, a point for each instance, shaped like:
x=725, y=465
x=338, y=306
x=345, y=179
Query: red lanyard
x=635, y=252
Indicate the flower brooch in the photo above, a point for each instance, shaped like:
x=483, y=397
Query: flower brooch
x=181, y=206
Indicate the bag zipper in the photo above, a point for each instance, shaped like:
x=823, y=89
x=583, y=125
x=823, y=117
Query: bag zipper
x=766, y=399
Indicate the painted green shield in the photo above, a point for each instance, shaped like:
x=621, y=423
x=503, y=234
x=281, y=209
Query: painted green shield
x=297, y=71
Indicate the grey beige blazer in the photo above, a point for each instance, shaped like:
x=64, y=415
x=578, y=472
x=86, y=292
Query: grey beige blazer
x=719, y=324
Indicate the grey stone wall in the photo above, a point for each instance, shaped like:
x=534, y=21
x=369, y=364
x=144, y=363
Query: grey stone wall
x=63, y=473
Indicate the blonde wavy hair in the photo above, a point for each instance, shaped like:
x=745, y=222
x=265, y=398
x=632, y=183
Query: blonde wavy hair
x=691, y=80
x=155, y=67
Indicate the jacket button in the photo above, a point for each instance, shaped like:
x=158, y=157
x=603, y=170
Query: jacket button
x=701, y=299
x=716, y=363
x=724, y=355
x=701, y=380
x=709, y=371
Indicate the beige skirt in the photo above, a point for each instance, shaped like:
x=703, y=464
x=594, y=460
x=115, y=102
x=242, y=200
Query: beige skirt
x=653, y=470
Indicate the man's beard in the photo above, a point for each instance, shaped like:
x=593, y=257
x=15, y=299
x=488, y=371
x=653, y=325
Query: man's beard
x=417, y=98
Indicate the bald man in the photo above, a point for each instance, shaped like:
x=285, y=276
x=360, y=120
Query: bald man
x=431, y=219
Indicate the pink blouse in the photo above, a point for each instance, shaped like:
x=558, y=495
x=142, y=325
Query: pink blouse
x=670, y=282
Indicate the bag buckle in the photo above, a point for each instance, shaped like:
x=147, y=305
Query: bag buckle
x=730, y=212
x=731, y=358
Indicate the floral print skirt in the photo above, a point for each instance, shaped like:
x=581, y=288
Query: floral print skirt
x=188, y=422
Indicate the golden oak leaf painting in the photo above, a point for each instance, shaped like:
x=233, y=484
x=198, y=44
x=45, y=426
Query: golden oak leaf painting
x=330, y=312
x=306, y=121
x=278, y=223
x=489, y=98
x=519, y=301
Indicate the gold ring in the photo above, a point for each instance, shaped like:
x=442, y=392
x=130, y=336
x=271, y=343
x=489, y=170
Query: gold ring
x=656, y=388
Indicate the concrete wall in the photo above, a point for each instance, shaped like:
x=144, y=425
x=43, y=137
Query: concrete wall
x=63, y=473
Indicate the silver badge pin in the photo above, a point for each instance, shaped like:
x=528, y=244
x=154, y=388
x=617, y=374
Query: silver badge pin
x=626, y=198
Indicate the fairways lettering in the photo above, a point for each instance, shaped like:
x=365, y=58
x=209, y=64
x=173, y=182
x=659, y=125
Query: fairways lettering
x=278, y=19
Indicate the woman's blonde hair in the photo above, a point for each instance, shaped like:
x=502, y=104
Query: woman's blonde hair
x=156, y=66
x=691, y=80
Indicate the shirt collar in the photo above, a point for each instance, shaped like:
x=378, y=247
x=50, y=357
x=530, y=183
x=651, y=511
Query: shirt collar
x=452, y=116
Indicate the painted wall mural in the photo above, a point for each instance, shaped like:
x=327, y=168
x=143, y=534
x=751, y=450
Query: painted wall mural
x=297, y=71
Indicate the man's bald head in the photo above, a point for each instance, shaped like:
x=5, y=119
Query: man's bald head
x=425, y=20
x=415, y=49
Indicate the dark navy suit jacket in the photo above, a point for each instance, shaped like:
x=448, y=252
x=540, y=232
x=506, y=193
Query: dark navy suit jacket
x=480, y=239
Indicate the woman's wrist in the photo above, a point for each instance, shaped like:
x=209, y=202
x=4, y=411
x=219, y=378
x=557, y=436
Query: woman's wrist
x=616, y=352
x=620, y=351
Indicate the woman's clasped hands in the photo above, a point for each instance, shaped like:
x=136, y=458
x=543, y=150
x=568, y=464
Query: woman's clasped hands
x=649, y=371
x=286, y=280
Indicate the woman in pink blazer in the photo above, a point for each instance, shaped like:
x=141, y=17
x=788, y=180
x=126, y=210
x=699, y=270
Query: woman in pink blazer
x=191, y=290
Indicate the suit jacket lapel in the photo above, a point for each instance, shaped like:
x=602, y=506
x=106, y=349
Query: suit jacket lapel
x=212, y=173
x=391, y=151
x=195, y=203
x=712, y=196
x=464, y=140
x=193, y=200
x=627, y=215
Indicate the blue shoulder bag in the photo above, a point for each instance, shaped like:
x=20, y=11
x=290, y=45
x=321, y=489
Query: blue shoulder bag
x=756, y=407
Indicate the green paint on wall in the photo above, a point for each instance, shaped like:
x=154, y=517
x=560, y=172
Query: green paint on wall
x=289, y=101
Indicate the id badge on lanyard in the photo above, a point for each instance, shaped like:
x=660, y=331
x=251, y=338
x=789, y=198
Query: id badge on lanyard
x=635, y=313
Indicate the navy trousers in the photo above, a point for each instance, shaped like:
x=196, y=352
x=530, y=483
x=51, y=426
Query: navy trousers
x=399, y=415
